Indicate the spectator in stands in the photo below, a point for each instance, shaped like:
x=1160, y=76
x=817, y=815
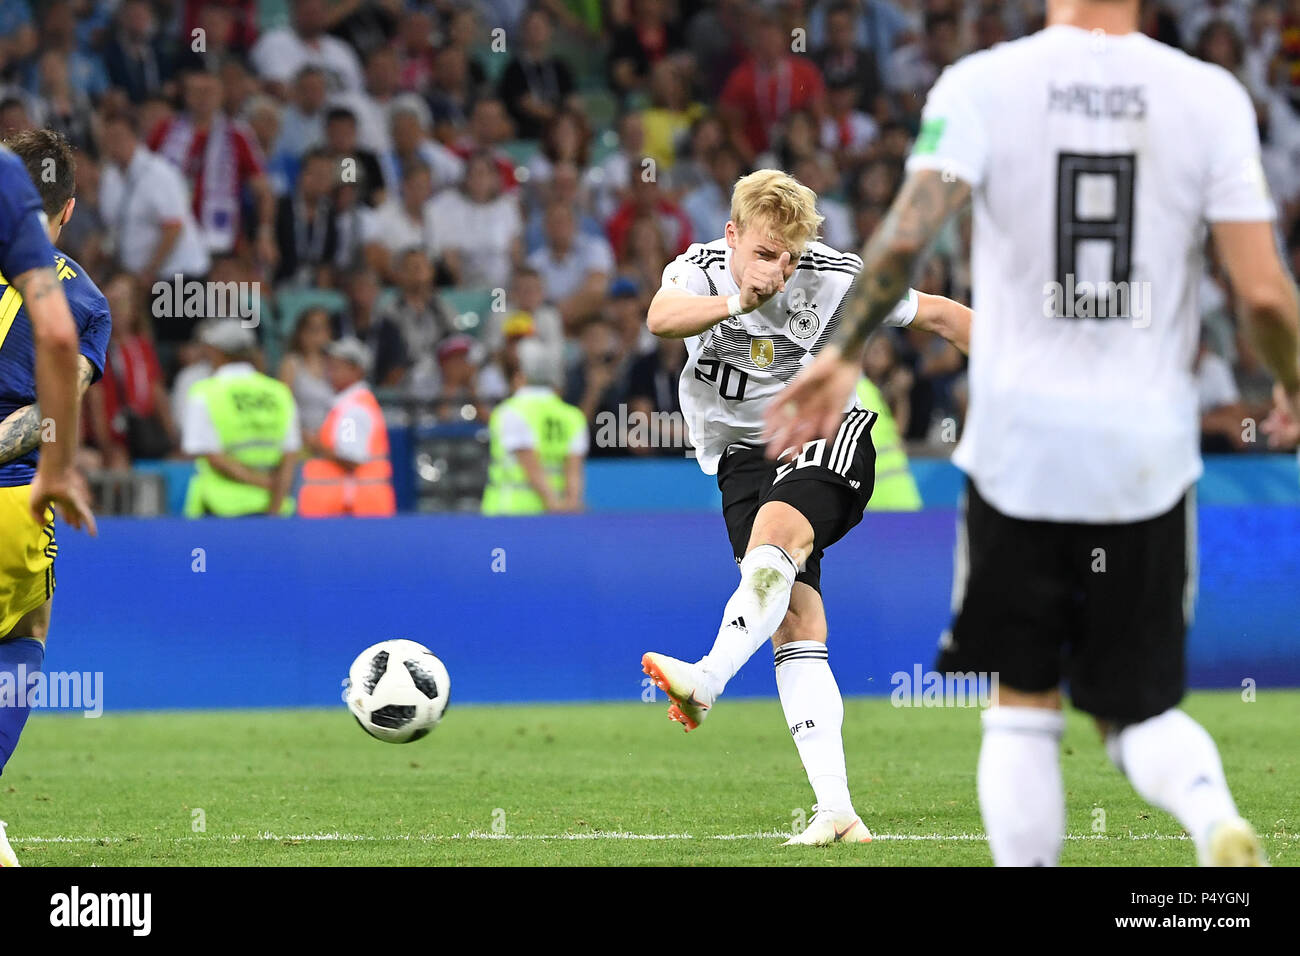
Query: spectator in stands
x=18, y=37
x=763, y=90
x=844, y=62
x=417, y=55
x=304, y=369
x=262, y=114
x=608, y=180
x=878, y=26
x=370, y=106
x=408, y=123
x=564, y=186
x=145, y=203
x=129, y=413
x=538, y=442
x=67, y=110
x=707, y=136
x=458, y=396
x=597, y=381
x=350, y=472
x=306, y=231
x=912, y=68
x=59, y=34
x=652, y=390
x=536, y=83
x=646, y=199
x=245, y=451
x=86, y=235
x=638, y=45
x=281, y=53
x=489, y=128
x=486, y=239
x=566, y=139
x=220, y=160
x=847, y=131
x=219, y=33
x=341, y=142
x=421, y=322
x=16, y=115
x=708, y=205
x=302, y=126
x=452, y=93
x=818, y=173
x=526, y=303
x=405, y=221
x=576, y=268
x=667, y=120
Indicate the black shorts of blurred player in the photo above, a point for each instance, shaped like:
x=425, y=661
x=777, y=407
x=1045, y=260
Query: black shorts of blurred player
x=803, y=503
x=1101, y=609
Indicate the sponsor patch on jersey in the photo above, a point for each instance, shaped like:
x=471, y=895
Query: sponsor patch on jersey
x=804, y=324
x=762, y=352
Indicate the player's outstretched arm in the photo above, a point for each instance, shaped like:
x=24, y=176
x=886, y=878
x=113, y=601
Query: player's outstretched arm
x=675, y=314
x=55, y=334
x=20, y=433
x=945, y=318
x=1268, y=301
x=813, y=403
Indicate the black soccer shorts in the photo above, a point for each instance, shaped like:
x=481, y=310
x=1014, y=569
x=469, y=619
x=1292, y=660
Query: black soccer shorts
x=1101, y=608
x=829, y=482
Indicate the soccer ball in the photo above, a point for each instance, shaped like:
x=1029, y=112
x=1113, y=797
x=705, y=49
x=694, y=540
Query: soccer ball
x=397, y=691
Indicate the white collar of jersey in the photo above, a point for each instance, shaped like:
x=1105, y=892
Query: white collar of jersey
x=235, y=368
x=527, y=390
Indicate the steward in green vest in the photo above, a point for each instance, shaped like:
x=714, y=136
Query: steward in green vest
x=895, y=488
x=242, y=428
x=538, y=442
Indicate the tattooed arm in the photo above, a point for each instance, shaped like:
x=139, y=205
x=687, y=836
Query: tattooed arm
x=814, y=402
x=21, y=431
x=57, y=481
x=921, y=208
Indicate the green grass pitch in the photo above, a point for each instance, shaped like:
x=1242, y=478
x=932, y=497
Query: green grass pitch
x=580, y=784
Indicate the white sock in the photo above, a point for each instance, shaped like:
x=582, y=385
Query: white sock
x=814, y=712
x=753, y=614
x=1173, y=764
x=1022, y=798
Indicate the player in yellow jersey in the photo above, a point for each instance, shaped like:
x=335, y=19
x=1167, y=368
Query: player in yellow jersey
x=27, y=545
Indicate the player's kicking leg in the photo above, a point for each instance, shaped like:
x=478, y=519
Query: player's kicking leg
x=22, y=652
x=781, y=541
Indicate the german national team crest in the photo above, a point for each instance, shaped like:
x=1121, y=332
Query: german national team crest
x=804, y=324
x=762, y=352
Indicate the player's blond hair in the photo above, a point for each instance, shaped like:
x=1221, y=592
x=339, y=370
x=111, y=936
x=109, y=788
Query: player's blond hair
x=786, y=206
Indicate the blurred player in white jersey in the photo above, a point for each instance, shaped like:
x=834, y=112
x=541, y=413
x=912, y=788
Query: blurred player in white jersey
x=754, y=307
x=1096, y=160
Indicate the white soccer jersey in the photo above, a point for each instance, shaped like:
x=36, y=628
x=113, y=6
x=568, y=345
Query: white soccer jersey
x=734, y=368
x=1092, y=158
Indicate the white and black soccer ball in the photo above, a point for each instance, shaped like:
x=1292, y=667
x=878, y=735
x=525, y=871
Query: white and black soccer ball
x=397, y=691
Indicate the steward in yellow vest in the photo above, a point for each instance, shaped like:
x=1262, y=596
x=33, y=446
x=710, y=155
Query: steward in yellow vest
x=242, y=428
x=538, y=442
x=895, y=488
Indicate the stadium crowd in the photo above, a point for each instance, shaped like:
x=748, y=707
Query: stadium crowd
x=443, y=179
